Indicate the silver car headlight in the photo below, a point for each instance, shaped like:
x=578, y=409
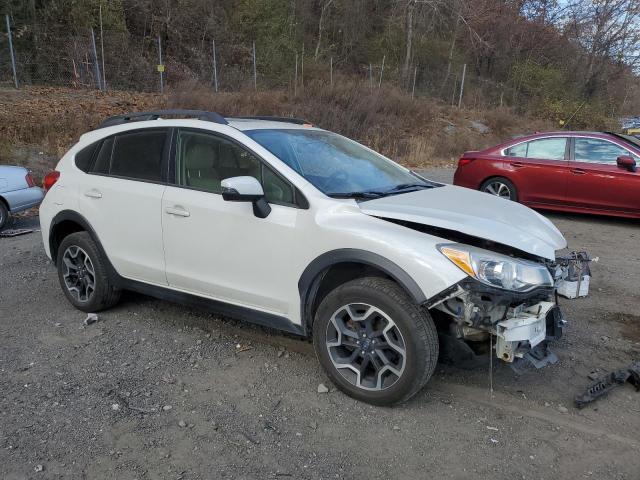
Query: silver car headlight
x=497, y=270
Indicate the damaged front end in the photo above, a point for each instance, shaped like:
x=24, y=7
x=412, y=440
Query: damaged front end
x=507, y=302
x=519, y=325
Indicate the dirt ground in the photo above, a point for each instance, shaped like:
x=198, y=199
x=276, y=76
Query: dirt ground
x=155, y=390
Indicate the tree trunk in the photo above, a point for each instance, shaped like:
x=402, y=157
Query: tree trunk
x=326, y=5
x=409, y=39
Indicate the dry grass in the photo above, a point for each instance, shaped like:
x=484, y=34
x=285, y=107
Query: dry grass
x=416, y=132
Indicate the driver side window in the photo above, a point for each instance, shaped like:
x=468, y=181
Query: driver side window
x=203, y=160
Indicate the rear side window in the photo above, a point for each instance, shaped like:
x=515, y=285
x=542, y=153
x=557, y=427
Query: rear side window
x=543, y=149
x=139, y=155
x=84, y=157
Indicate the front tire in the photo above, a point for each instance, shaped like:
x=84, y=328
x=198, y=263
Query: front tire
x=83, y=274
x=374, y=342
x=500, y=187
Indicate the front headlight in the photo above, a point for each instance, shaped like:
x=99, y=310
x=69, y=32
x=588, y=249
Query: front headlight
x=498, y=270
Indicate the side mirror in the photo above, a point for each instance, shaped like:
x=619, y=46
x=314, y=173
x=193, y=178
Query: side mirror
x=246, y=189
x=626, y=162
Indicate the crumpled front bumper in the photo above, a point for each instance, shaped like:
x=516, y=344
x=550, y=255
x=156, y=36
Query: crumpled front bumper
x=519, y=325
x=518, y=335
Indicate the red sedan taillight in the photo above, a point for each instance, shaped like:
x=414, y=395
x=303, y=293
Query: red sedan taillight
x=465, y=161
x=50, y=179
x=29, y=179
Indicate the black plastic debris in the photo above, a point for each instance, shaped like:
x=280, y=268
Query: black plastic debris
x=15, y=232
x=608, y=382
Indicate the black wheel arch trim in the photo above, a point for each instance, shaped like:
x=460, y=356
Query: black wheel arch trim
x=312, y=276
x=72, y=216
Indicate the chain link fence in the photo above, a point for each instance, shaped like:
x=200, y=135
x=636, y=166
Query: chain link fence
x=114, y=60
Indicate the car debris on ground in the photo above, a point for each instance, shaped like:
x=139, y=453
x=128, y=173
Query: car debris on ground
x=91, y=318
x=15, y=232
x=573, y=274
x=608, y=382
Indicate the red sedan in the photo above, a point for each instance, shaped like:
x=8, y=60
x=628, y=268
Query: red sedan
x=570, y=171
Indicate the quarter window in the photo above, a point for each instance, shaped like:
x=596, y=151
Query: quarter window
x=519, y=150
x=103, y=160
x=204, y=160
x=83, y=157
x=595, y=150
x=543, y=149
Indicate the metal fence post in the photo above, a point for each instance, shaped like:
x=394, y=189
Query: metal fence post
x=255, y=74
x=464, y=71
x=295, y=78
x=160, y=66
x=331, y=71
x=95, y=61
x=381, y=71
x=215, y=66
x=413, y=89
x=13, y=57
x=104, y=75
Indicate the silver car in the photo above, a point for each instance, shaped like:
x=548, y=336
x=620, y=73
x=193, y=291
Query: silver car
x=18, y=192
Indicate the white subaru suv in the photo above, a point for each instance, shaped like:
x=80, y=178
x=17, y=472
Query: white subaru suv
x=289, y=226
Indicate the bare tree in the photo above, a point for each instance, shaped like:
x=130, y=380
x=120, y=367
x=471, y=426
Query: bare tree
x=323, y=12
x=609, y=32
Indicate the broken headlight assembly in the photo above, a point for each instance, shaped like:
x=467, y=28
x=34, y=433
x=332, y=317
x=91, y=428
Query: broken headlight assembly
x=497, y=270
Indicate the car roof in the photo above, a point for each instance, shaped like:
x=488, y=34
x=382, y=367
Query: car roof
x=264, y=124
x=238, y=123
x=556, y=133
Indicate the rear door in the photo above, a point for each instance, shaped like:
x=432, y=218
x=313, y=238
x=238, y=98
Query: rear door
x=596, y=182
x=121, y=198
x=539, y=170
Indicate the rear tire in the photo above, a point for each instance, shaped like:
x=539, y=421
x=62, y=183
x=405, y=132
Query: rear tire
x=83, y=274
x=500, y=187
x=384, y=335
x=4, y=215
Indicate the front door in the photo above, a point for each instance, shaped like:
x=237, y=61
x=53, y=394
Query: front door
x=220, y=249
x=596, y=182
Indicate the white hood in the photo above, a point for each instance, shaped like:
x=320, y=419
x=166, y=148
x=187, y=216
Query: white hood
x=473, y=213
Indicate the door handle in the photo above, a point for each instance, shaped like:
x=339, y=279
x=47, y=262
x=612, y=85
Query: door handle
x=578, y=171
x=93, y=194
x=177, y=211
x=517, y=164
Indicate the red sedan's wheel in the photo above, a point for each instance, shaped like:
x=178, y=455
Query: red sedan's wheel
x=500, y=187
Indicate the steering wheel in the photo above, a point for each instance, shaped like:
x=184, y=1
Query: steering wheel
x=337, y=176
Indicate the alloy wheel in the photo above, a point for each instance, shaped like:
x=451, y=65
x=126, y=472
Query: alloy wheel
x=79, y=275
x=498, y=189
x=366, y=346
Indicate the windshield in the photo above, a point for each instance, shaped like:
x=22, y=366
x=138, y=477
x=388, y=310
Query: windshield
x=337, y=166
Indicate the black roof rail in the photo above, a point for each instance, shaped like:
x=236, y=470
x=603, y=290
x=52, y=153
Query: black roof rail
x=297, y=121
x=154, y=115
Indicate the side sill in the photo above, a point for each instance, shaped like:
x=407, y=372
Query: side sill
x=233, y=311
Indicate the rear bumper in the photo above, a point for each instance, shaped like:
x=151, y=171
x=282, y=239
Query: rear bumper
x=23, y=199
x=462, y=180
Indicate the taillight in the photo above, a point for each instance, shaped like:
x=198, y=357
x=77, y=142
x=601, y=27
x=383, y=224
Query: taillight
x=465, y=161
x=50, y=179
x=29, y=179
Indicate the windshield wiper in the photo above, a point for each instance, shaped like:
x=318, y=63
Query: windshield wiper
x=365, y=194
x=368, y=194
x=407, y=187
